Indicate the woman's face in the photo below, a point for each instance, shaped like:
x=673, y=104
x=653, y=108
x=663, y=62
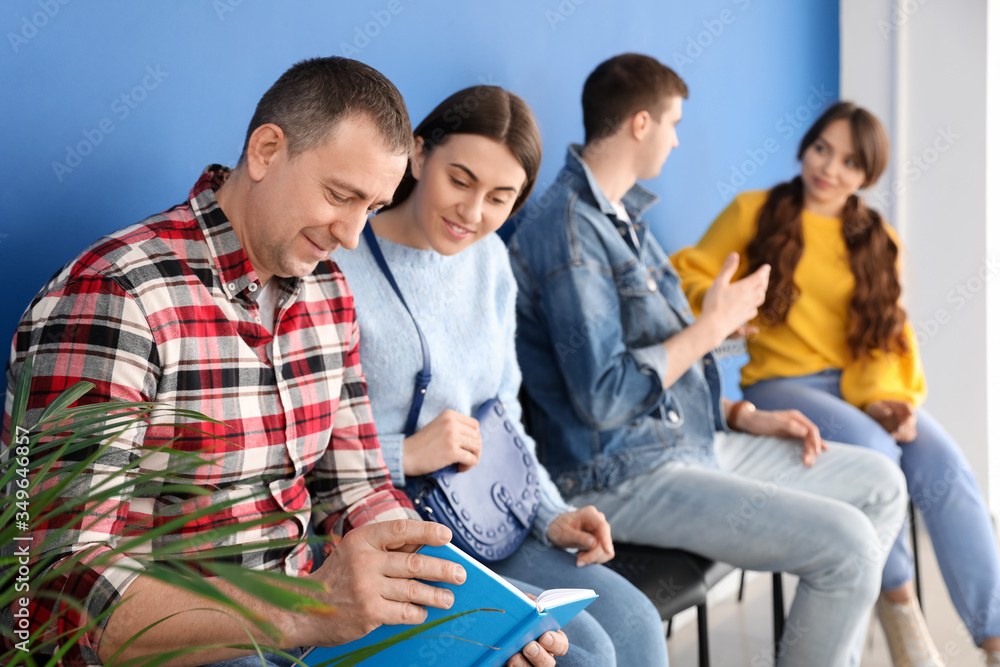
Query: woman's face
x=466, y=188
x=830, y=171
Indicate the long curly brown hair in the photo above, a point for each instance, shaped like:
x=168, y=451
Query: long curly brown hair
x=876, y=317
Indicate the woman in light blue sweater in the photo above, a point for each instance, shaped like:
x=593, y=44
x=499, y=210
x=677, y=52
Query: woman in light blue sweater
x=476, y=159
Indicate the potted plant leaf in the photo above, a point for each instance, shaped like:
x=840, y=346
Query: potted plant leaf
x=43, y=470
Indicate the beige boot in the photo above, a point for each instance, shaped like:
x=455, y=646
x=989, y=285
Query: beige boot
x=910, y=642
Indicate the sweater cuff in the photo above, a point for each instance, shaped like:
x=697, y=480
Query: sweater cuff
x=392, y=454
x=548, y=510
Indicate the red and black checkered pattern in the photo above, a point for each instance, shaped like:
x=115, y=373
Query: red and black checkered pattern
x=165, y=311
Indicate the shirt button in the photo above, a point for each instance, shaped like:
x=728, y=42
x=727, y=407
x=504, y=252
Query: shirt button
x=672, y=416
x=253, y=287
x=651, y=283
x=231, y=287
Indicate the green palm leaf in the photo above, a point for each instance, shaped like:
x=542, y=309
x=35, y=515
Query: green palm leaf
x=65, y=444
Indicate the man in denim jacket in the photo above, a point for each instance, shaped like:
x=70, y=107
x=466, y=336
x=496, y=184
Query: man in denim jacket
x=625, y=393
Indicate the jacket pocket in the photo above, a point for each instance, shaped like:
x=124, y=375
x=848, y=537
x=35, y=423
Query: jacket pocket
x=645, y=317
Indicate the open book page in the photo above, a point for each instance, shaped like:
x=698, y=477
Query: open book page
x=553, y=597
x=556, y=597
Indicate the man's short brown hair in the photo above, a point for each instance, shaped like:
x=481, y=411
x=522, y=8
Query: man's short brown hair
x=623, y=86
x=313, y=96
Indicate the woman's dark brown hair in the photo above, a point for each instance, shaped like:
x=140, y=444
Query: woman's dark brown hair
x=486, y=111
x=876, y=317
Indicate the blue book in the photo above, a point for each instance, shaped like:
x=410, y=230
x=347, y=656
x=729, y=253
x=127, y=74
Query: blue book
x=505, y=622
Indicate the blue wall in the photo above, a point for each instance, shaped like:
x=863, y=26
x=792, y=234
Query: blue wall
x=111, y=111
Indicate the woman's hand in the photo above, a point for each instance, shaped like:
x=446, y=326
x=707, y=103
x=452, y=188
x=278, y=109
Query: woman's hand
x=899, y=418
x=745, y=331
x=541, y=653
x=784, y=424
x=585, y=529
x=450, y=438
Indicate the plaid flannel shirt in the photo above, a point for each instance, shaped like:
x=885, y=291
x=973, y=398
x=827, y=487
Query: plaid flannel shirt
x=165, y=311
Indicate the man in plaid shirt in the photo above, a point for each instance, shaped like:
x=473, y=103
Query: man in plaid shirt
x=228, y=305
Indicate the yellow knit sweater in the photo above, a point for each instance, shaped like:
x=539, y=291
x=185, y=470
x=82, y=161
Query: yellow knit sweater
x=814, y=336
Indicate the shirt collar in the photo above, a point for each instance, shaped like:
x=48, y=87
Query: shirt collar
x=636, y=201
x=235, y=270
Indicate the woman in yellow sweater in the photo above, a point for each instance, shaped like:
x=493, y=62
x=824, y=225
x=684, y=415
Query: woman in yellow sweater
x=833, y=342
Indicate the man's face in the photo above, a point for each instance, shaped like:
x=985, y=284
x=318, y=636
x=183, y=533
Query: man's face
x=302, y=208
x=660, y=139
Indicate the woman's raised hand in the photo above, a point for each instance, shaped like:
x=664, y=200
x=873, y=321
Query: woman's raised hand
x=450, y=438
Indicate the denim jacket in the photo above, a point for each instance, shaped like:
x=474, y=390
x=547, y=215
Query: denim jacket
x=595, y=302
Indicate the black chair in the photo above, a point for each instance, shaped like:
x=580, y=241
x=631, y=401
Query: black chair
x=777, y=604
x=674, y=580
x=916, y=556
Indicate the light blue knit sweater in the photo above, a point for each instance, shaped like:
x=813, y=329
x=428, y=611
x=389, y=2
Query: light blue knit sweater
x=465, y=306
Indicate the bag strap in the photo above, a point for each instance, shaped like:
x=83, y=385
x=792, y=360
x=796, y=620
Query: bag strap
x=424, y=376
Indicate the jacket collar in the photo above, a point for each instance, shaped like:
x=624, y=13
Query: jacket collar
x=636, y=201
x=235, y=270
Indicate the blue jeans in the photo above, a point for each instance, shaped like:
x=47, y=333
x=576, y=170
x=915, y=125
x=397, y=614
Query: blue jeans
x=939, y=480
x=762, y=509
x=628, y=627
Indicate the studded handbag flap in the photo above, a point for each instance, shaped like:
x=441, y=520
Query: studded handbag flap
x=490, y=507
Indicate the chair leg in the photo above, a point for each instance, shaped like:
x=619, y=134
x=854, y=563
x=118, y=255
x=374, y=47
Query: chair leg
x=743, y=576
x=670, y=626
x=916, y=555
x=703, y=660
x=778, y=608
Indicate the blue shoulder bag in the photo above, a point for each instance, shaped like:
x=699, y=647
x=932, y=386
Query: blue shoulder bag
x=491, y=506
